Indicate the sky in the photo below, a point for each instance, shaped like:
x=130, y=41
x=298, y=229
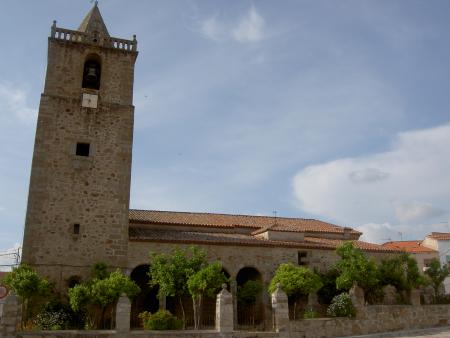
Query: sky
x=334, y=110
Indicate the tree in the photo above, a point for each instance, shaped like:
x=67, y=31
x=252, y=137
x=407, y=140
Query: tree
x=28, y=285
x=101, y=292
x=295, y=281
x=172, y=271
x=206, y=281
x=355, y=267
x=436, y=274
x=400, y=271
x=248, y=294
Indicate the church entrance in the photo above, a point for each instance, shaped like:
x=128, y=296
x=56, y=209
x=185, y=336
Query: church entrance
x=147, y=299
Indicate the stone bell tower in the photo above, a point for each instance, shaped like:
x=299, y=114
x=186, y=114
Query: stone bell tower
x=79, y=191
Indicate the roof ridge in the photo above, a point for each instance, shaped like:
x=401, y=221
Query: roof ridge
x=240, y=215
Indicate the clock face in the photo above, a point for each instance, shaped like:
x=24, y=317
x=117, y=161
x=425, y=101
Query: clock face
x=89, y=100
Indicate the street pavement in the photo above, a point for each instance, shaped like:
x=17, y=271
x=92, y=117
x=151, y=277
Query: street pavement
x=441, y=332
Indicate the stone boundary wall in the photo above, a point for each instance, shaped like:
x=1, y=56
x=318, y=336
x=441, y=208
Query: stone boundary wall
x=145, y=334
x=377, y=318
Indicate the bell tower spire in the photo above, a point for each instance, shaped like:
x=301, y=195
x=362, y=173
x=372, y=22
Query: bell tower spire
x=94, y=26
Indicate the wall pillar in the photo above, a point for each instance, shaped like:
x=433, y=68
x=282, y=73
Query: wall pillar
x=224, y=311
x=11, y=316
x=357, y=297
x=415, y=297
x=123, y=312
x=280, y=309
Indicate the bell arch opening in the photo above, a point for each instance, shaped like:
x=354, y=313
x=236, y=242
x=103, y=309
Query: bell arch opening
x=92, y=71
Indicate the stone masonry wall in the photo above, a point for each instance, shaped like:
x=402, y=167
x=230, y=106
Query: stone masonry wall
x=378, y=318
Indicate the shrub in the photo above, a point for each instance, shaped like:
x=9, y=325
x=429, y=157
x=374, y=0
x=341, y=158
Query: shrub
x=58, y=316
x=341, y=306
x=309, y=314
x=52, y=319
x=160, y=320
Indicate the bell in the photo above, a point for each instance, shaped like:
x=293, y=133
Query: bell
x=91, y=75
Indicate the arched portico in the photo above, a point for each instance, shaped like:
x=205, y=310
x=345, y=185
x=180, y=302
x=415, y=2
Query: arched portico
x=147, y=299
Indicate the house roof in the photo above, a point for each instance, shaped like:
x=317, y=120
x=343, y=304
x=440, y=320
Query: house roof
x=216, y=238
x=230, y=221
x=443, y=236
x=408, y=246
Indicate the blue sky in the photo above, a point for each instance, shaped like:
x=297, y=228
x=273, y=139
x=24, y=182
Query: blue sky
x=336, y=110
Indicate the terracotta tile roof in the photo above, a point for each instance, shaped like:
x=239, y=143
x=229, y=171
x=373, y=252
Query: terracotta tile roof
x=229, y=221
x=408, y=246
x=443, y=236
x=366, y=246
x=215, y=238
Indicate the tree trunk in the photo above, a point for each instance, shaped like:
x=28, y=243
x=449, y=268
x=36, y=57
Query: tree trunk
x=295, y=309
x=102, y=318
x=182, y=312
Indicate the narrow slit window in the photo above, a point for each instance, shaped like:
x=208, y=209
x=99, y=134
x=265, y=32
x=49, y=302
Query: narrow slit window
x=76, y=229
x=302, y=257
x=83, y=149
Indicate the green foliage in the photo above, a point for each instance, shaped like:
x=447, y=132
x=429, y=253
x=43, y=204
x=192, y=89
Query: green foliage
x=160, y=320
x=310, y=314
x=106, y=291
x=206, y=281
x=172, y=271
x=436, y=275
x=355, y=267
x=56, y=316
x=99, y=293
x=28, y=285
x=295, y=280
x=99, y=271
x=249, y=292
x=328, y=290
x=341, y=306
x=400, y=271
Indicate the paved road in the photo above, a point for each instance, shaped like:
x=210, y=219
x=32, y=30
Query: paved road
x=442, y=332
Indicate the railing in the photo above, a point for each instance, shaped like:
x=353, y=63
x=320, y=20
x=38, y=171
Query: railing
x=76, y=36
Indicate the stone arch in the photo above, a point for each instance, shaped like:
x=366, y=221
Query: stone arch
x=92, y=71
x=147, y=299
x=249, y=315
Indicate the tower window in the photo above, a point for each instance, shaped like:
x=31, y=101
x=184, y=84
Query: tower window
x=301, y=256
x=76, y=229
x=91, y=74
x=82, y=149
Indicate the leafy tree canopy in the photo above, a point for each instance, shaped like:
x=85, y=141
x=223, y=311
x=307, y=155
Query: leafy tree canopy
x=172, y=271
x=26, y=282
x=249, y=292
x=207, y=281
x=295, y=280
x=436, y=274
x=355, y=267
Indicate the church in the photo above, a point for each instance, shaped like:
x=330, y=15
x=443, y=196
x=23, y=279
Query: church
x=78, y=206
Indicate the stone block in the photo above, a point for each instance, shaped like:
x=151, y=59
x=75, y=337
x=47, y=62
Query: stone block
x=224, y=311
x=281, y=310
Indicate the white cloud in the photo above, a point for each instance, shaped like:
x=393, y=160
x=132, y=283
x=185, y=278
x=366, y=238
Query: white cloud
x=413, y=212
x=409, y=184
x=13, y=100
x=250, y=28
x=212, y=29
